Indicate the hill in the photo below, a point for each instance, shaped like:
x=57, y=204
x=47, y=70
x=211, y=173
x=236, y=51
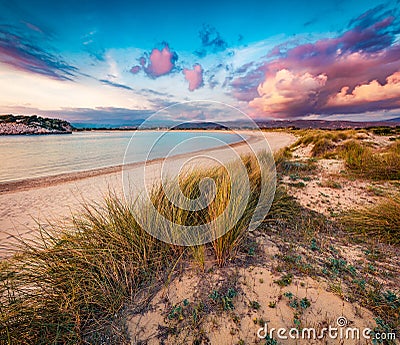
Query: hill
x=20, y=124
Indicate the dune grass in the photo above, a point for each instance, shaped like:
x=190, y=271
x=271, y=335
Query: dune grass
x=72, y=283
x=380, y=222
x=361, y=158
x=377, y=164
x=323, y=141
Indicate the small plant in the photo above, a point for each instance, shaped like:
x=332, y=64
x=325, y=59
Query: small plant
x=294, y=303
x=175, y=313
x=227, y=303
x=314, y=246
x=382, y=327
x=360, y=283
x=255, y=305
x=305, y=303
x=236, y=319
x=284, y=280
x=272, y=304
x=337, y=265
x=261, y=321
x=288, y=294
x=214, y=295
x=299, y=184
x=376, y=190
x=224, y=300
x=331, y=184
x=270, y=341
x=296, y=321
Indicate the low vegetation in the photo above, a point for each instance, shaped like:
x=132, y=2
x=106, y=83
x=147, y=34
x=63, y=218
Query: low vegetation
x=359, y=154
x=380, y=221
x=377, y=164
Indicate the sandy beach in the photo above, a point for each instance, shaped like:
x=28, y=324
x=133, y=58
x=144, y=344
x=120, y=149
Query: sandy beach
x=25, y=204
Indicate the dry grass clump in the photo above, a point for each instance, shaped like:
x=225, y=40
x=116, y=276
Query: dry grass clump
x=322, y=146
x=236, y=198
x=311, y=136
x=360, y=159
x=383, y=164
x=380, y=222
x=324, y=141
x=282, y=156
x=71, y=284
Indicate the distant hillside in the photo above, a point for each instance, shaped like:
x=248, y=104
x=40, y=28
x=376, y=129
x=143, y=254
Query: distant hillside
x=20, y=124
x=297, y=124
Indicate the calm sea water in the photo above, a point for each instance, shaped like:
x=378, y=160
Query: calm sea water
x=25, y=157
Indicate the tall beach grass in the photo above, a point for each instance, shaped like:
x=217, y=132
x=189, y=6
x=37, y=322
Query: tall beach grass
x=72, y=284
x=378, y=164
x=380, y=222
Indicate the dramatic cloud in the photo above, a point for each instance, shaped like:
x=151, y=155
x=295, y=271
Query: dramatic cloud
x=160, y=62
x=366, y=54
x=22, y=54
x=371, y=92
x=245, y=88
x=211, y=41
x=194, y=77
x=287, y=91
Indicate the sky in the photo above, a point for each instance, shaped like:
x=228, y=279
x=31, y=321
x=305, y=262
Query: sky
x=115, y=62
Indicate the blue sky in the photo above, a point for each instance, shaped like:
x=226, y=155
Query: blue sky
x=105, y=61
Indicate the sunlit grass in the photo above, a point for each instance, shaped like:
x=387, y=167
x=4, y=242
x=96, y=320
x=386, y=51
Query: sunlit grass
x=383, y=164
x=72, y=283
x=380, y=222
x=69, y=284
x=361, y=159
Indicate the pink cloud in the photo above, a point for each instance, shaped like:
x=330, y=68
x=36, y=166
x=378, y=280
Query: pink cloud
x=367, y=54
x=135, y=69
x=194, y=77
x=286, y=91
x=370, y=92
x=160, y=62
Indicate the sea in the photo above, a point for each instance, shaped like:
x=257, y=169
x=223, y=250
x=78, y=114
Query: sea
x=31, y=156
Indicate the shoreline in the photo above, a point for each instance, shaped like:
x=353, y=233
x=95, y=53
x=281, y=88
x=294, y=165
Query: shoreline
x=28, y=204
x=51, y=180
x=32, y=134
